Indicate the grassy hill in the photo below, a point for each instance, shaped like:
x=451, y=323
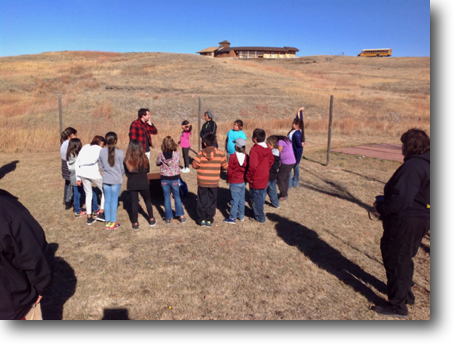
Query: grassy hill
x=316, y=258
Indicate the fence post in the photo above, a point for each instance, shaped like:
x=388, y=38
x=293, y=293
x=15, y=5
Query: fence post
x=60, y=115
x=329, y=132
x=199, y=123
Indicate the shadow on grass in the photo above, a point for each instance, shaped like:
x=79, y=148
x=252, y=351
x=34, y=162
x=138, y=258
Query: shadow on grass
x=328, y=258
x=364, y=176
x=115, y=314
x=63, y=288
x=7, y=168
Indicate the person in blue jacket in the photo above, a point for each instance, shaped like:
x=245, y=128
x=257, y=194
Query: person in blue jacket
x=296, y=135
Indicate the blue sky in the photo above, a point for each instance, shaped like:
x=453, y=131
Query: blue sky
x=316, y=27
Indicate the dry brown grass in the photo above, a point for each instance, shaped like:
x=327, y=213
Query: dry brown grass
x=316, y=258
x=380, y=97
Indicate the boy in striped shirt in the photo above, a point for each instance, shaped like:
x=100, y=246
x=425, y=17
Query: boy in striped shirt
x=209, y=162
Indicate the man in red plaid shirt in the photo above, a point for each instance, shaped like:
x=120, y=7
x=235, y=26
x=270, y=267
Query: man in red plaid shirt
x=142, y=129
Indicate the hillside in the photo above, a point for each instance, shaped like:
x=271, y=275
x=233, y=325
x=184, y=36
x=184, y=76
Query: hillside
x=373, y=96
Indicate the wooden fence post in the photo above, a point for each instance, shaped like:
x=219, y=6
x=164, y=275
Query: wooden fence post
x=60, y=115
x=199, y=124
x=329, y=132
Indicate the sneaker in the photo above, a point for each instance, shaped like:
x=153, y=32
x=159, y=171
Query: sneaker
x=96, y=213
x=283, y=198
x=229, y=221
x=186, y=170
x=203, y=223
x=208, y=223
x=108, y=225
x=389, y=310
x=182, y=219
x=152, y=222
x=135, y=226
x=182, y=170
x=114, y=225
x=240, y=219
x=167, y=220
x=100, y=217
x=79, y=214
x=90, y=220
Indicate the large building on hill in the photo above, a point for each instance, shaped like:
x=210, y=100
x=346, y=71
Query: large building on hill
x=225, y=51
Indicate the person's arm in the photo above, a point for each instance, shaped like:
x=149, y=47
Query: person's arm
x=32, y=253
x=133, y=131
x=196, y=164
x=252, y=165
x=158, y=160
x=405, y=185
x=297, y=139
x=224, y=164
x=299, y=113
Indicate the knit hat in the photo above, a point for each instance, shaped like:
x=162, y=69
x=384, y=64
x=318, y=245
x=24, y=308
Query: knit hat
x=240, y=142
x=210, y=114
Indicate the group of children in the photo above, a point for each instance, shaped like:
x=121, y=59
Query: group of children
x=268, y=165
x=81, y=167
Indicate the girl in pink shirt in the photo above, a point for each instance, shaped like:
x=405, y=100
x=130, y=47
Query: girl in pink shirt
x=185, y=145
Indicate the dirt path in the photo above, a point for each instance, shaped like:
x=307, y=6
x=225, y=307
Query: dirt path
x=381, y=151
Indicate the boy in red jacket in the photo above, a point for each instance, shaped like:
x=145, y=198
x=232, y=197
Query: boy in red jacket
x=237, y=166
x=260, y=161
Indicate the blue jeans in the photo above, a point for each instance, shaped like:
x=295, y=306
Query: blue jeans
x=257, y=203
x=294, y=180
x=78, y=191
x=173, y=185
x=111, y=201
x=237, y=200
x=272, y=193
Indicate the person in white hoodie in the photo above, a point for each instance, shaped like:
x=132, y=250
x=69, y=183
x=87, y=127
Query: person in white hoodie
x=87, y=172
x=237, y=166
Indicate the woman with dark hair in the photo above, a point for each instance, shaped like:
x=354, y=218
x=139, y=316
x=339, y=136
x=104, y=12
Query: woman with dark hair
x=297, y=137
x=66, y=135
x=75, y=145
x=405, y=212
x=288, y=161
x=87, y=172
x=136, y=165
x=112, y=165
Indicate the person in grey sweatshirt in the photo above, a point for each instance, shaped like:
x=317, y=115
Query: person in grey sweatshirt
x=112, y=165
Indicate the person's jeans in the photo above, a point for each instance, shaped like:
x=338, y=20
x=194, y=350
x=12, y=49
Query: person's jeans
x=272, y=193
x=111, y=201
x=294, y=180
x=173, y=185
x=237, y=200
x=257, y=197
x=78, y=191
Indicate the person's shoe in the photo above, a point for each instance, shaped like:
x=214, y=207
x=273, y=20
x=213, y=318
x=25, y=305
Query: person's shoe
x=182, y=170
x=229, y=221
x=79, y=214
x=90, y=220
x=182, y=219
x=167, y=220
x=152, y=222
x=283, y=198
x=114, y=225
x=96, y=213
x=389, y=310
x=276, y=206
x=100, y=217
x=186, y=170
x=108, y=225
x=240, y=219
x=208, y=223
x=135, y=226
x=203, y=223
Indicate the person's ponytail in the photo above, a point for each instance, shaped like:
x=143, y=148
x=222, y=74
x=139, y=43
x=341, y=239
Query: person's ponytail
x=111, y=139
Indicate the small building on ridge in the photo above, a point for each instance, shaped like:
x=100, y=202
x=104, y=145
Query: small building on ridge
x=226, y=51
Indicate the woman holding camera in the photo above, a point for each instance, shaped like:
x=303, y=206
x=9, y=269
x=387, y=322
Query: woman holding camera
x=405, y=212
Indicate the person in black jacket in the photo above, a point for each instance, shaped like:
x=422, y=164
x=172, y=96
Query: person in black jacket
x=405, y=212
x=209, y=127
x=26, y=259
